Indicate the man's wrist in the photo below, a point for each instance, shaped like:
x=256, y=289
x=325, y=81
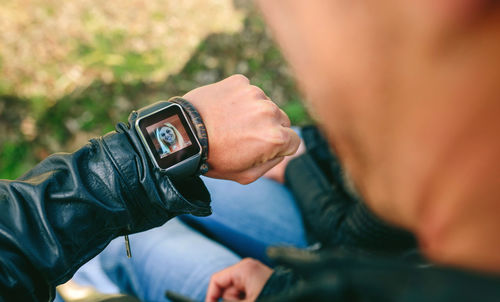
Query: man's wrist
x=168, y=135
x=147, y=190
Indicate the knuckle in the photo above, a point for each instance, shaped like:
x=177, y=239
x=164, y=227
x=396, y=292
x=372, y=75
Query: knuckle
x=239, y=78
x=280, y=138
x=250, y=263
x=214, y=278
x=275, y=109
x=257, y=92
x=247, y=261
x=269, y=109
x=287, y=122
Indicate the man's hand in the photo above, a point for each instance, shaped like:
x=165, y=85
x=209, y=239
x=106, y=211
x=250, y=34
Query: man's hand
x=277, y=173
x=241, y=282
x=248, y=134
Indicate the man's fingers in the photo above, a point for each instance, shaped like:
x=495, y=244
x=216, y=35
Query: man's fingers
x=276, y=112
x=245, y=129
x=218, y=283
x=214, y=292
x=292, y=143
x=259, y=93
x=236, y=80
x=285, y=120
x=232, y=294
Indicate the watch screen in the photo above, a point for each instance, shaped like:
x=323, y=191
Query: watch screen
x=168, y=136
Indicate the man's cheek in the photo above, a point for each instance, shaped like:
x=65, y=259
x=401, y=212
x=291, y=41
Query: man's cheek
x=448, y=13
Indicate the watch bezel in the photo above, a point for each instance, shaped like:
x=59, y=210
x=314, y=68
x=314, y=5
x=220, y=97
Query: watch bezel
x=148, y=144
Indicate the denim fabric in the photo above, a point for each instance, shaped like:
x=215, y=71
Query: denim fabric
x=182, y=254
x=250, y=218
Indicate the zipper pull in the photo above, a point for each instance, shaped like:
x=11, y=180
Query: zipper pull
x=127, y=247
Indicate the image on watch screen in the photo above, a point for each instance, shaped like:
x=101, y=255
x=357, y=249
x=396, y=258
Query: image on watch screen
x=168, y=136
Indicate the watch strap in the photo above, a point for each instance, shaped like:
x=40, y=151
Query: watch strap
x=189, y=164
x=199, y=126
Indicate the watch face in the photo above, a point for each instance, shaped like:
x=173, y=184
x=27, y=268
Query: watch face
x=168, y=136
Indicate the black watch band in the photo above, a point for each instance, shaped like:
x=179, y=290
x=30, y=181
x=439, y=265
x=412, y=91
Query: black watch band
x=199, y=126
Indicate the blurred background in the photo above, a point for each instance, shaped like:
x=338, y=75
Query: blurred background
x=70, y=70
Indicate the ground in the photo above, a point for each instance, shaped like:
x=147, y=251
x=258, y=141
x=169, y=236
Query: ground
x=69, y=70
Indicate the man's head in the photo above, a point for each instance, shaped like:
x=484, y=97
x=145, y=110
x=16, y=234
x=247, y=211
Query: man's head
x=408, y=93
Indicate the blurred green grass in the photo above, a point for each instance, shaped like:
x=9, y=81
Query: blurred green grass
x=34, y=126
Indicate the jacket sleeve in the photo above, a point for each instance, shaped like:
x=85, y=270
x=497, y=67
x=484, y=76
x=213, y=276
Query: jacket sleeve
x=70, y=206
x=282, y=280
x=333, y=275
x=333, y=215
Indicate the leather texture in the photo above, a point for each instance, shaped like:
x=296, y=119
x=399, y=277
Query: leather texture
x=345, y=277
x=66, y=210
x=332, y=215
x=362, y=258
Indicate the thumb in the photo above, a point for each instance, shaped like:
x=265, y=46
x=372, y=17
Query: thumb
x=292, y=144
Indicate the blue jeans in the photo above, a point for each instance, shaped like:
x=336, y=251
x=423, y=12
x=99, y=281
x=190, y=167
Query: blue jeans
x=183, y=254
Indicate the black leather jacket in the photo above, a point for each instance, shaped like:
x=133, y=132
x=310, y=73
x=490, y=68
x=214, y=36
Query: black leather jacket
x=333, y=215
x=363, y=258
x=70, y=206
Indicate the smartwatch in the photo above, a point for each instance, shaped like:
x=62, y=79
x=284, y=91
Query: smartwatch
x=167, y=134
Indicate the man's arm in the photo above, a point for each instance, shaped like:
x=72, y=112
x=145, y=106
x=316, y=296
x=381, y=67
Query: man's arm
x=67, y=209
x=70, y=206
